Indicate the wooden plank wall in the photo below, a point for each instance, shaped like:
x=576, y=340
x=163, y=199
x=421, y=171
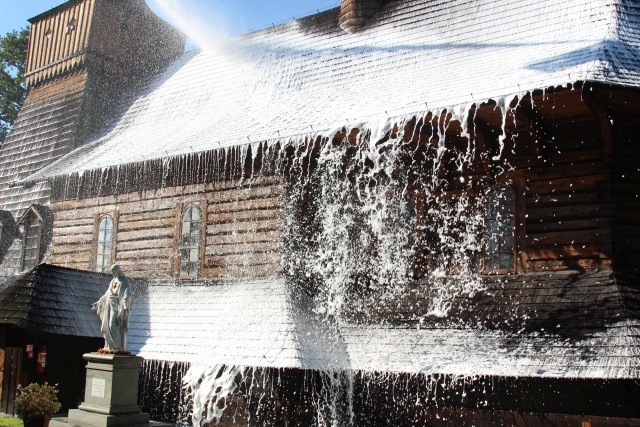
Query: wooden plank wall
x=558, y=169
x=567, y=203
x=242, y=237
x=625, y=192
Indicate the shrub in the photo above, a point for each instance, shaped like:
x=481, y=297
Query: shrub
x=37, y=401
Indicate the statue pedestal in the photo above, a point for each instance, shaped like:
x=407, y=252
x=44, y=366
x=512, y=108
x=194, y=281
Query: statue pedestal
x=110, y=394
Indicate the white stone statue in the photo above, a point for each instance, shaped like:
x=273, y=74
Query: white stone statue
x=113, y=308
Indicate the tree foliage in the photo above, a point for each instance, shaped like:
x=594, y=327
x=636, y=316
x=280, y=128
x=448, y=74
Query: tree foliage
x=13, y=55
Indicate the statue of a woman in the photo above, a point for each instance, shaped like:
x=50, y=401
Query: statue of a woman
x=113, y=309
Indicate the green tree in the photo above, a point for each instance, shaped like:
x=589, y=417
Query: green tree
x=13, y=55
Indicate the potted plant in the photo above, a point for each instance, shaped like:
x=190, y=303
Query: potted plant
x=36, y=403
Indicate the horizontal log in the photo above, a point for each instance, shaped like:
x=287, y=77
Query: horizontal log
x=568, y=237
x=243, y=248
x=85, y=230
x=234, y=239
x=145, y=235
x=243, y=260
x=135, y=245
x=244, y=227
x=266, y=270
x=148, y=215
x=79, y=257
x=568, y=251
x=238, y=206
x=162, y=193
x=246, y=182
x=562, y=171
x=158, y=253
x=577, y=211
x=580, y=155
x=146, y=269
x=73, y=239
x=59, y=224
x=237, y=217
x=62, y=250
x=77, y=266
x=151, y=224
x=84, y=214
x=562, y=225
x=76, y=204
x=546, y=200
x=243, y=194
x=569, y=264
x=578, y=134
x=560, y=185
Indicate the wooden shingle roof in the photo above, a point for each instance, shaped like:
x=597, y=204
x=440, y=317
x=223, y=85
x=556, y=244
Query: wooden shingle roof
x=54, y=300
x=308, y=77
x=558, y=324
x=46, y=129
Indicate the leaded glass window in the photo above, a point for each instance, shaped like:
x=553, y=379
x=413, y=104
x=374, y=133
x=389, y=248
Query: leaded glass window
x=190, y=242
x=500, y=230
x=31, y=246
x=104, y=252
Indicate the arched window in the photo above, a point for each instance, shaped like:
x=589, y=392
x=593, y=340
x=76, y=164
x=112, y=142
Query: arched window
x=190, y=242
x=104, y=251
x=499, y=236
x=31, y=225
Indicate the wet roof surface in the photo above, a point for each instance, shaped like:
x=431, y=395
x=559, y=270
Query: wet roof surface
x=54, y=300
x=308, y=76
x=266, y=323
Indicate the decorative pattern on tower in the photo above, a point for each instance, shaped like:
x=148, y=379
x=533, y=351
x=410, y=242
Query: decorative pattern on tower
x=354, y=14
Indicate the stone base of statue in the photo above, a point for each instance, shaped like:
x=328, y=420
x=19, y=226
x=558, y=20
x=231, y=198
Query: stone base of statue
x=110, y=394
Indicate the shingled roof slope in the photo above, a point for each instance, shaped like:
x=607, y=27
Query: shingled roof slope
x=248, y=323
x=45, y=131
x=308, y=76
x=54, y=300
x=266, y=323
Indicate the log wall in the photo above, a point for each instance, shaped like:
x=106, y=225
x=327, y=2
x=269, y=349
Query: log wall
x=568, y=223
x=570, y=205
x=242, y=235
x=625, y=194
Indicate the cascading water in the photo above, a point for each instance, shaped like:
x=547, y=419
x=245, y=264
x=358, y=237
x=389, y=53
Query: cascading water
x=362, y=220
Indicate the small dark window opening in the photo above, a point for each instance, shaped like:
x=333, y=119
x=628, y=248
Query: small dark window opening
x=190, y=242
x=31, y=246
x=104, y=252
x=71, y=25
x=499, y=236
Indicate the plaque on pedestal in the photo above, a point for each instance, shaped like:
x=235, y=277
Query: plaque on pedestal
x=110, y=394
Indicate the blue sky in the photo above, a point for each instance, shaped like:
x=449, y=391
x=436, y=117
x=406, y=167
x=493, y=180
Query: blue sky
x=237, y=16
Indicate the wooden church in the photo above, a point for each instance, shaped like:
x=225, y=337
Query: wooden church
x=400, y=212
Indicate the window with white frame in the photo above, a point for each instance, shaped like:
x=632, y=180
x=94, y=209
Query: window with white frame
x=104, y=249
x=190, y=242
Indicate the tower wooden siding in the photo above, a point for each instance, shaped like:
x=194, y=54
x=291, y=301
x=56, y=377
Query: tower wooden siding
x=58, y=41
x=354, y=14
x=123, y=37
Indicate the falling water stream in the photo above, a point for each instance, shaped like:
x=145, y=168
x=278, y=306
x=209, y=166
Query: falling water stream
x=362, y=220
